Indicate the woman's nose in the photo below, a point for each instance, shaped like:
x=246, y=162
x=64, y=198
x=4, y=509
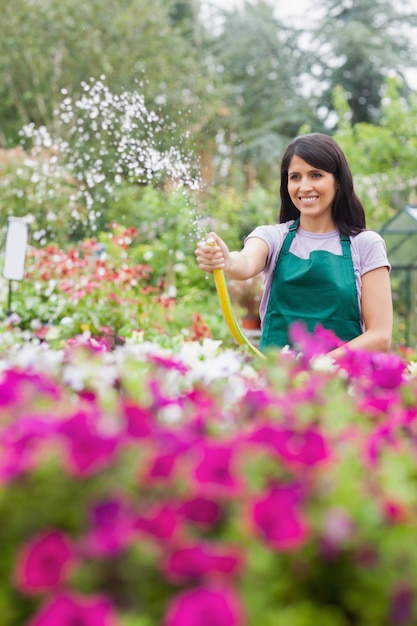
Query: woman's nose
x=305, y=183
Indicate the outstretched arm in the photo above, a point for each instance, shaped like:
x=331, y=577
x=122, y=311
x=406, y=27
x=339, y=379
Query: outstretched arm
x=213, y=253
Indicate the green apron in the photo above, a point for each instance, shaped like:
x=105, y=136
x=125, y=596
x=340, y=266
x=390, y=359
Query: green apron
x=320, y=290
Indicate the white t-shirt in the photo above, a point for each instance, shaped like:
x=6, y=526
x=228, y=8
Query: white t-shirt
x=368, y=251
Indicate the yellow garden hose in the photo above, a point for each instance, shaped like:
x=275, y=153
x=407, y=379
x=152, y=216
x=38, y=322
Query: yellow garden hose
x=228, y=314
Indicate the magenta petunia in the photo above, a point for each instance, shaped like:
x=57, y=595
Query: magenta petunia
x=309, y=344
x=168, y=363
x=170, y=447
x=382, y=437
x=215, y=468
x=379, y=403
x=89, y=449
x=160, y=399
x=71, y=610
x=402, y=601
x=139, y=420
x=256, y=401
x=17, y=387
x=44, y=563
x=305, y=446
x=277, y=517
x=20, y=442
x=161, y=467
x=111, y=528
x=161, y=522
x=199, y=560
x=205, y=605
x=387, y=371
x=201, y=511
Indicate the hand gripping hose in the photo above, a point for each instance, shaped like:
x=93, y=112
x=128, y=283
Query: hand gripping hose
x=228, y=314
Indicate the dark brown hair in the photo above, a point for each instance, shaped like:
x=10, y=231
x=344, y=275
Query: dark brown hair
x=322, y=152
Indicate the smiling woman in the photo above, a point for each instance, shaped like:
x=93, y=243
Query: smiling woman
x=322, y=268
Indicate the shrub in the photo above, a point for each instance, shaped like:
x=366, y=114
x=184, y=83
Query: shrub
x=147, y=486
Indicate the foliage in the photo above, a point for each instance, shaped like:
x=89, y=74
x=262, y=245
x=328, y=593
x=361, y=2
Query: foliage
x=262, y=65
x=256, y=80
x=37, y=187
x=383, y=157
x=360, y=46
x=98, y=288
x=149, y=486
x=60, y=46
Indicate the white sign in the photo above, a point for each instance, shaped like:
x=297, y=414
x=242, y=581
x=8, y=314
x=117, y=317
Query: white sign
x=15, y=251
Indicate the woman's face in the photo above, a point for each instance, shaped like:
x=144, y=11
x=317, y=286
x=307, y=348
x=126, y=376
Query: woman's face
x=312, y=191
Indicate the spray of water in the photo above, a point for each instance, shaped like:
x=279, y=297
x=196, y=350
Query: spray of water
x=104, y=139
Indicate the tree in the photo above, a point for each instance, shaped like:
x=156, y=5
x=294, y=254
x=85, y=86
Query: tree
x=361, y=43
x=383, y=157
x=135, y=44
x=261, y=63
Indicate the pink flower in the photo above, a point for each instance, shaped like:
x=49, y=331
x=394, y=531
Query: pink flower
x=161, y=466
x=313, y=344
x=304, y=447
x=204, y=605
x=17, y=387
x=170, y=446
x=201, y=511
x=277, y=518
x=139, y=420
x=161, y=522
x=256, y=401
x=337, y=531
x=71, y=610
x=168, y=363
x=20, y=442
x=215, y=469
x=388, y=371
x=382, y=437
x=395, y=512
x=402, y=611
x=196, y=561
x=112, y=528
x=44, y=563
x=88, y=449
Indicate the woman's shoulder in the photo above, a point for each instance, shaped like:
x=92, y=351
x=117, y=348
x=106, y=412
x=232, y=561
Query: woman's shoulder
x=367, y=239
x=369, y=247
x=367, y=236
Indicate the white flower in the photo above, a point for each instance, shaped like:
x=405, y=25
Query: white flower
x=323, y=363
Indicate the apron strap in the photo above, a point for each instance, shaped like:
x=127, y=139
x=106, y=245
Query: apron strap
x=345, y=241
x=290, y=236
